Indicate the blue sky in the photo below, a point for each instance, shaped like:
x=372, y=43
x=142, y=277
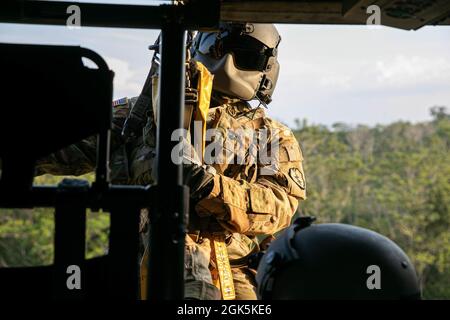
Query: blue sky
x=357, y=75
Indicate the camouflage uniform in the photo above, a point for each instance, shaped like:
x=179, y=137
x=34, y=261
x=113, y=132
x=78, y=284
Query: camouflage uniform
x=243, y=202
x=246, y=201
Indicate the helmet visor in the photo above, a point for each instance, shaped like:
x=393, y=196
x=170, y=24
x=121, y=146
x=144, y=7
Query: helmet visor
x=248, y=53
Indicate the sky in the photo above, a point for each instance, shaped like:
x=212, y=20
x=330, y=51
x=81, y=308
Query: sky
x=329, y=74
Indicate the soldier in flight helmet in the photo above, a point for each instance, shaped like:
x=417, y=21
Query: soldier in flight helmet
x=335, y=261
x=238, y=201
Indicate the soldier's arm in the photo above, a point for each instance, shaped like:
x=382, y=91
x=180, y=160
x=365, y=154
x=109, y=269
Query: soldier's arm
x=80, y=158
x=76, y=159
x=265, y=206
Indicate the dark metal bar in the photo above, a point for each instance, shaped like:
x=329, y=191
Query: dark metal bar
x=70, y=240
x=123, y=270
x=92, y=14
x=198, y=14
x=16, y=179
x=171, y=202
x=102, y=170
x=46, y=196
x=166, y=265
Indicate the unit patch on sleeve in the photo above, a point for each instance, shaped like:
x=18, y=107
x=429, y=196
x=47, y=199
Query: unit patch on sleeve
x=298, y=177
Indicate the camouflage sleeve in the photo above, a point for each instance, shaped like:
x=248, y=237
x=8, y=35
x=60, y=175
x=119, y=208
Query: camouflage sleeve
x=265, y=206
x=79, y=158
x=76, y=159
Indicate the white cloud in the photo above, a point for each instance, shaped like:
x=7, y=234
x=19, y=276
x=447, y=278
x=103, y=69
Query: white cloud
x=405, y=71
x=382, y=74
x=126, y=80
x=336, y=81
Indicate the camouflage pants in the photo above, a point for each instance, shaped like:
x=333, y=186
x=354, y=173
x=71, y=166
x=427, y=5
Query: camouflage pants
x=243, y=278
x=198, y=280
x=197, y=261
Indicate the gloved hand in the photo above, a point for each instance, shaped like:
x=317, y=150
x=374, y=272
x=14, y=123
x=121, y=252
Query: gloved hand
x=198, y=281
x=199, y=180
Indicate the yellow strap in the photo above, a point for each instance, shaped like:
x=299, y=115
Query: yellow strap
x=222, y=276
x=144, y=275
x=204, y=88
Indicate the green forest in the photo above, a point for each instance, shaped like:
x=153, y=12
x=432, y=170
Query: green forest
x=394, y=179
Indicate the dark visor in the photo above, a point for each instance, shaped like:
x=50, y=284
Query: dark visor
x=248, y=53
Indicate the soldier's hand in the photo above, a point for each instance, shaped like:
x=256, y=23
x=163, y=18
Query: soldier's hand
x=199, y=180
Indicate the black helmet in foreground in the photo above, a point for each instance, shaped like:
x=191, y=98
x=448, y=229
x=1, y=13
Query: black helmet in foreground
x=335, y=261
